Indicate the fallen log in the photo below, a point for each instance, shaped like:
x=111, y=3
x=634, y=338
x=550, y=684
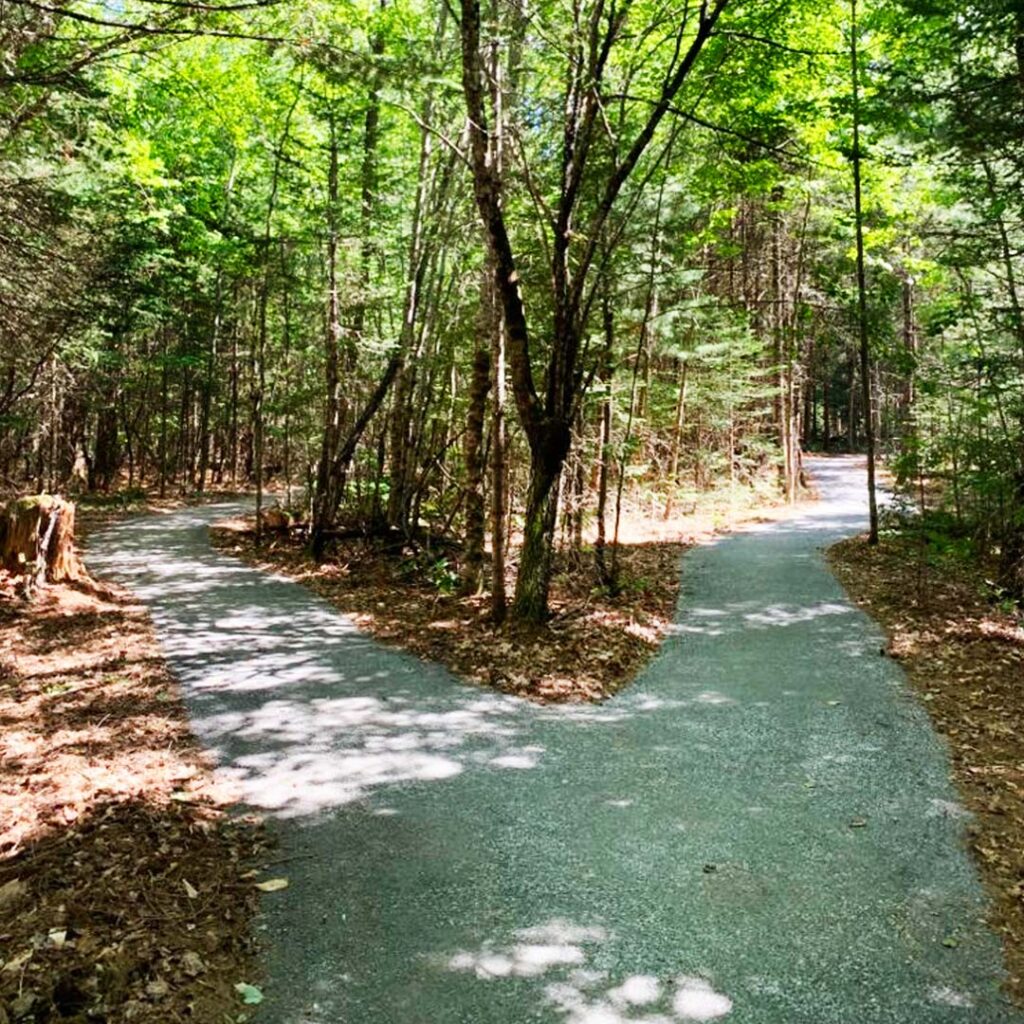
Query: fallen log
x=37, y=540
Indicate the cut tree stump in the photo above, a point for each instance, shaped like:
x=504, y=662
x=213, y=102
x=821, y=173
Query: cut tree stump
x=37, y=540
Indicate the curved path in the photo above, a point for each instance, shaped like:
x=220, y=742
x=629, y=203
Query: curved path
x=760, y=830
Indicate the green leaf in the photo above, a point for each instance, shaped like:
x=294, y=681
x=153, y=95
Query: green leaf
x=250, y=994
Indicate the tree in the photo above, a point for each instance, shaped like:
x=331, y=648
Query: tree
x=547, y=416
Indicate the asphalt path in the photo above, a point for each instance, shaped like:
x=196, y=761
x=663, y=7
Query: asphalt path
x=760, y=829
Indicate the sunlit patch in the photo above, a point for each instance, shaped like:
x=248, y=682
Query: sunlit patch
x=649, y=703
x=681, y=627
x=636, y=990
x=938, y=808
x=521, y=760
x=695, y=999
x=713, y=697
x=536, y=951
x=945, y=996
x=858, y=648
x=790, y=615
x=582, y=977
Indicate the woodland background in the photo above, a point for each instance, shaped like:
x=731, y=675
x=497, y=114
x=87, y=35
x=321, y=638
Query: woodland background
x=485, y=275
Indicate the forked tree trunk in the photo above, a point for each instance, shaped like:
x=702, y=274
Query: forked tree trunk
x=37, y=540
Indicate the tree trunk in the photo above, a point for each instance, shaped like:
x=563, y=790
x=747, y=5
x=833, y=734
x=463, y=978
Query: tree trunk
x=677, y=438
x=533, y=580
x=604, y=439
x=499, y=482
x=37, y=540
x=332, y=345
x=862, y=307
x=474, y=454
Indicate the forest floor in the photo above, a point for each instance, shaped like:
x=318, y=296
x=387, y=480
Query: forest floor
x=965, y=658
x=126, y=888
x=594, y=643
x=762, y=824
x=95, y=511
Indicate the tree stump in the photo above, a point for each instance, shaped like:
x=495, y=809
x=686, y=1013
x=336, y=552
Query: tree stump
x=37, y=540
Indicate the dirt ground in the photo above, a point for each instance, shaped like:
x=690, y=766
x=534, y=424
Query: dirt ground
x=126, y=888
x=965, y=657
x=594, y=644
x=590, y=648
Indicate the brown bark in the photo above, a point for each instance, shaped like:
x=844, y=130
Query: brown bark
x=547, y=418
x=37, y=540
x=862, y=307
x=474, y=456
x=499, y=470
x=604, y=438
x=677, y=439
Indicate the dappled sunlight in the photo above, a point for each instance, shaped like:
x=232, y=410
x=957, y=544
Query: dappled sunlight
x=942, y=995
x=304, y=712
x=561, y=952
x=789, y=615
x=528, y=757
x=443, y=815
x=304, y=755
x=940, y=808
x=738, y=616
x=536, y=951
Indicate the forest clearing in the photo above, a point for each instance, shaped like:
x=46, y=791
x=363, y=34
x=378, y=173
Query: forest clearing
x=511, y=512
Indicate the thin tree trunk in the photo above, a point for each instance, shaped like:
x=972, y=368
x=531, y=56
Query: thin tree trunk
x=862, y=305
x=479, y=386
x=677, y=437
x=604, y=436
x=499, y=470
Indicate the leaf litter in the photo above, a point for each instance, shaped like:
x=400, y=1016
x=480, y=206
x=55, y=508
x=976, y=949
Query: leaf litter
x=122, y=895
x=965, y=659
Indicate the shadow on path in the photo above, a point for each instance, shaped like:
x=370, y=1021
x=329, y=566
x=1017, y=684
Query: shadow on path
x=760, y=829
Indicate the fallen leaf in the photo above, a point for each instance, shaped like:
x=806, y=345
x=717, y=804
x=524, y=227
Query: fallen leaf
x=12, y=891
x=250, y=994
x=16, y=963
x=157, y=988
x=272, y=884
x=192, y=964
x=190, y=890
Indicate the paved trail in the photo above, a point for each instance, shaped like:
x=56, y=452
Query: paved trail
x=691, y=850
